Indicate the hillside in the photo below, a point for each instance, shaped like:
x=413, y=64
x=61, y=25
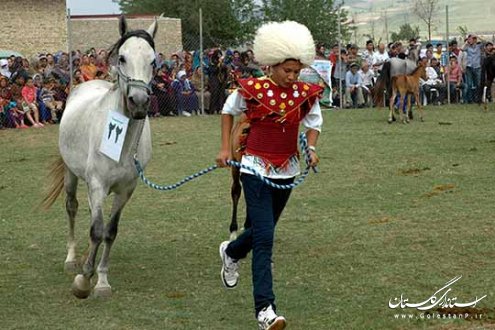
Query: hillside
x=370, y=17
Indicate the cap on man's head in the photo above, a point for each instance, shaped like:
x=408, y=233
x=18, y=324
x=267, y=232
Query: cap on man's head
x=276, y=42
x=4, y=63
x=354, y=65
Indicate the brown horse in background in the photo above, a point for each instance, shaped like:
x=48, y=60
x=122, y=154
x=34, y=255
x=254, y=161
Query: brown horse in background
x=238, y=136
x=404, y=85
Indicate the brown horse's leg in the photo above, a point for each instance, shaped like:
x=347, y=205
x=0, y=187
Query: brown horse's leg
x=418, y=103
x=408, y=108
x=391, y=107
x=239, y=133
x=235, y=193
x=402, y=98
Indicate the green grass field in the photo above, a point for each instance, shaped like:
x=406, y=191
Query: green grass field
x=396, y=209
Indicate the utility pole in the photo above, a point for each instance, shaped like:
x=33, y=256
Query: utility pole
x=202, y=111
x=447, y=49
x=386, y=26
x=340, y=57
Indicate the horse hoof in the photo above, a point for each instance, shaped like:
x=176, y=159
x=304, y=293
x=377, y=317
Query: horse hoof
x=389, y=121
x=103, y=291
x=81, y=287
x=70, y=267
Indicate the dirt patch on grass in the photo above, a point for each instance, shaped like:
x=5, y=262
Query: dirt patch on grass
x=414, y=171
x=175, y=294
x=441, y=189
x=380, y=221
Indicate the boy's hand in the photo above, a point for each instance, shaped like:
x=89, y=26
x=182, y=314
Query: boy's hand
x=222, y=158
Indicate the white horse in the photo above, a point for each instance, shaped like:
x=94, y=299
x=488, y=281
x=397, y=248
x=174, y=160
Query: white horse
x=81, y=129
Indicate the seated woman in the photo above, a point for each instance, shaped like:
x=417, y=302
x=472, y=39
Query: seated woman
x=187, y=100
x=163, y=92
x=10, y=115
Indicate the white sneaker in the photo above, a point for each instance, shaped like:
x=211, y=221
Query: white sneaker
x=186, y=114
x=268, y=320
x=229, y=273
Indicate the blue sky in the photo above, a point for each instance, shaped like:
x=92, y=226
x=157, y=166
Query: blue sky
x=92, y=7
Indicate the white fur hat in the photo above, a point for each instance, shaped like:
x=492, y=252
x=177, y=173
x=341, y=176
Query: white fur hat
x=276, y=42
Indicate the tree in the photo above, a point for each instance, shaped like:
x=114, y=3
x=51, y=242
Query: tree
x=426, y=10
x=225, y=22
x=320, y=16
x=233, y=22
x=406, y=32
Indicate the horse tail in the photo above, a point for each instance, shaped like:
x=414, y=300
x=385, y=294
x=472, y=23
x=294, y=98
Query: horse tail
x=57, y=174
x=382, y=84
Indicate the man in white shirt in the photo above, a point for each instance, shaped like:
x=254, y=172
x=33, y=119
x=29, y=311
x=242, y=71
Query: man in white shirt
x=433, y=83
x=367, y=76
x=379, y=57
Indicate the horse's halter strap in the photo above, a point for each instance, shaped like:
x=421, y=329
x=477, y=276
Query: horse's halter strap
x=133, y=82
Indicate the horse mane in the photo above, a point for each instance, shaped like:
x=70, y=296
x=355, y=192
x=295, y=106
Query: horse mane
x=135, y=33
x=416, y=69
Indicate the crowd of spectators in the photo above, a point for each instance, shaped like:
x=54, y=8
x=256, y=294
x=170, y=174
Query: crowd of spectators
x=33, y=93
x=460, y=67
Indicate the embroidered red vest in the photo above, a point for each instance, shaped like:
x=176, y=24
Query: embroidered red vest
x=274, y=114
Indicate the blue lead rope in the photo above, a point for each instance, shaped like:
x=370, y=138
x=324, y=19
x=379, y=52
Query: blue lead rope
x=304, y=146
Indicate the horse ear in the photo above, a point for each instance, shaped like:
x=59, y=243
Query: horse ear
x=122, y=25
x=154, y=27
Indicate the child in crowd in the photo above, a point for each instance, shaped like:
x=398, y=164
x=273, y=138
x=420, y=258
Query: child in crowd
x=48, y=98
x=29, y=102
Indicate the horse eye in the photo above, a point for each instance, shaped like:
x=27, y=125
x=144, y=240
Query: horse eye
x=121, y=59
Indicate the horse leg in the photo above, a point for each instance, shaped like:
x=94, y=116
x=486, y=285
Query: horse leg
x=391, y=107
x=102, y=288
x=408, y=108
x=418, y=103
x=71, y=205
x=401, y=106
x=81, y=287
x=235, y=193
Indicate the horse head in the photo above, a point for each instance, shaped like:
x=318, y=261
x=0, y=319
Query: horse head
x=414, y=51
x=422, y=70
x=134, y=59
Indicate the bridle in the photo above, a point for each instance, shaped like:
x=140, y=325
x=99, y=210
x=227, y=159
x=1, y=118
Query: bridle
x=131, y=82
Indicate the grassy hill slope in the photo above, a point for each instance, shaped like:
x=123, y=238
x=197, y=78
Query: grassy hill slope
x=369, y=16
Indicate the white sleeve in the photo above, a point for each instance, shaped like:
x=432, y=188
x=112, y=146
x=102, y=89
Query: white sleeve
x=314, y=120
x=234, y=105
